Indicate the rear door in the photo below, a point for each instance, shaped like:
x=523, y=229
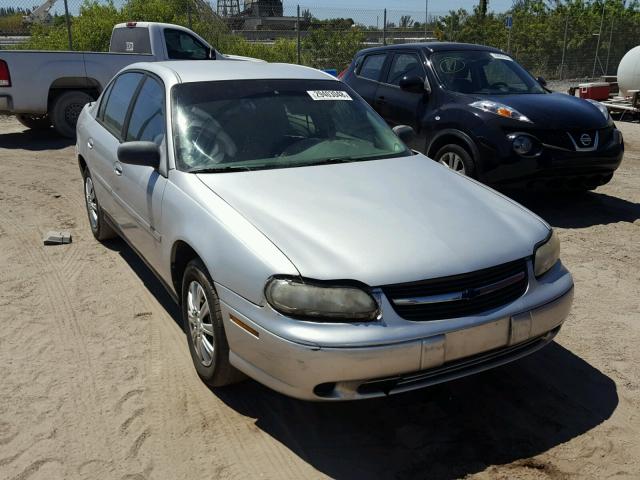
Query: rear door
x=368, y=72
x=105, y=136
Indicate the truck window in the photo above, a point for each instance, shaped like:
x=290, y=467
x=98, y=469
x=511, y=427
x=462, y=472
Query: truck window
x=147, y=117
x=130, y=40
x=118, y=102
x=182, y=46
x=372, y=66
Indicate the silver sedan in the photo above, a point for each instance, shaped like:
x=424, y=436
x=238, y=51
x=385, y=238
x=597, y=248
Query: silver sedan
x=307, y=247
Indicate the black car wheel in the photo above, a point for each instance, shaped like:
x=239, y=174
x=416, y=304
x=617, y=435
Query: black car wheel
x=204, y=327
x=457, y=159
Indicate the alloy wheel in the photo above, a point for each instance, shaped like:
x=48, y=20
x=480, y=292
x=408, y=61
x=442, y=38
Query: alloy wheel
x=92, y=203
x=200, y=324
x=453, y=161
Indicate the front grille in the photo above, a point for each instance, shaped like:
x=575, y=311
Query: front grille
x=570, y=139
x=459, y=295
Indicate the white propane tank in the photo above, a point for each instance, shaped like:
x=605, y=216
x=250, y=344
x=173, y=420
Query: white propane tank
x=629, y=71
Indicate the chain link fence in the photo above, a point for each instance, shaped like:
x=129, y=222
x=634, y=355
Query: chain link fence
x=558, y=44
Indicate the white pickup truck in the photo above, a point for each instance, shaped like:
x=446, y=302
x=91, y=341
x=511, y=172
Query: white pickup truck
x=50, y=87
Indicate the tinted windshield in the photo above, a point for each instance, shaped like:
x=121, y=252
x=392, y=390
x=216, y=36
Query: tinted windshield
x=255, y=124
x=482, y=73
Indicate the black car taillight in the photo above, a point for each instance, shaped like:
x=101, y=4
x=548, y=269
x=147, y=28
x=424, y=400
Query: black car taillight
x=5, y=78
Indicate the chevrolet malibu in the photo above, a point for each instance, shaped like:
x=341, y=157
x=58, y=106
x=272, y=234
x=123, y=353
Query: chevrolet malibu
x=307, y=246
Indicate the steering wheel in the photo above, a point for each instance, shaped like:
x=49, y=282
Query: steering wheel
x=500, y=86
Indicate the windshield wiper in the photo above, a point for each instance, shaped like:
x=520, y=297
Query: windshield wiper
x=229, y=168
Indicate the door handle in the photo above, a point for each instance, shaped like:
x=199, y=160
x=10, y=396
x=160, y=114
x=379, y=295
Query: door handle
x=117, y=168
x=90, y=144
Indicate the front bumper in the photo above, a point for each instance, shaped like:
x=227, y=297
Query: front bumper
x=552, y=167
x=455, y=349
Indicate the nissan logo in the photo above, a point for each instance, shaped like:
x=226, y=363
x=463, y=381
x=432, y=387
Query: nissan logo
x=585, y=139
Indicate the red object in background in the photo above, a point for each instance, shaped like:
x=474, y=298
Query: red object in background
x=595, y=90
x=5, y=78
x=342, y=73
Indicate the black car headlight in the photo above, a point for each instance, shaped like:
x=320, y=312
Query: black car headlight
x=546, y=255
x=294, y=297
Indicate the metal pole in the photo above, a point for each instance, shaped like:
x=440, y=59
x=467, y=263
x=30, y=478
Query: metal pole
x=298, y=33
x=384, y=27
x=66, y=15
x=606, y=68
x=426, y=18
x=189, y=13
x=595, y=58
x=509, y=40
x=564, y=46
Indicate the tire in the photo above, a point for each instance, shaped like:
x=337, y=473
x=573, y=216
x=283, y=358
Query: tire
x=456, y=158
x=204, y=328
x=99, y=227
x=65, y=111
x=35, y=122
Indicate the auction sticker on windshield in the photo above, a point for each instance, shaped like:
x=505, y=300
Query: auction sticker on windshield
x=329, y=95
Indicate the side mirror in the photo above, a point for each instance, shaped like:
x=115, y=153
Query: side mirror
x=542, y=81
x=404, y=132
x=412, y=84
x=139, y=153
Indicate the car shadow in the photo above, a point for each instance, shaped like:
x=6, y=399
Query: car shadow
x=505, y=415
x=565, y=210
x=35, y=141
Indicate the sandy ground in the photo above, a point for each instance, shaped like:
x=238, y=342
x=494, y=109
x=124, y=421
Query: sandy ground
x=97, y=382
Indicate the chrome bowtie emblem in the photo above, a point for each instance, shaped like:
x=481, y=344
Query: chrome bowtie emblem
x=585, y=139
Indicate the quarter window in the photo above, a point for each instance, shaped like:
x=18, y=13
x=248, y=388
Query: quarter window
x=118, y=102
x=182, y=46
x=404, y=64
x=372, y=66
x=147, y=117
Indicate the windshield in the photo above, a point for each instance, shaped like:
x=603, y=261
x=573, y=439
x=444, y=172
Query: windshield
x=479, y=72
x=257, y=124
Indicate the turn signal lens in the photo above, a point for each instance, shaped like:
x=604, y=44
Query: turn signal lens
x=499, y=109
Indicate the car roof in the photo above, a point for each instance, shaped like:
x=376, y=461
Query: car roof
x=186, y=71
x=432, y=47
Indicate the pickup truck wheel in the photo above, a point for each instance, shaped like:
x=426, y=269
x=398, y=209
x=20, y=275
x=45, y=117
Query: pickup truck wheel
x=457, y=159
x=35, y=122
x=204, y=328
x=100, y=229
x=66, y=110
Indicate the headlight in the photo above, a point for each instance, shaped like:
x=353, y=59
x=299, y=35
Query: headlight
x=601, y=107
x=499, y=109
x=523, y=144
x=318, y=301
x=547, y=255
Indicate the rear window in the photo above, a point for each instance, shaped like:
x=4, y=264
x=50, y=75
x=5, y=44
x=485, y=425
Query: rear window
x=130, y=40
x=372, y=66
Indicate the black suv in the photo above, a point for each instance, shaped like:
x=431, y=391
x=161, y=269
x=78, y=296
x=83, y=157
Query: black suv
x=479, y=112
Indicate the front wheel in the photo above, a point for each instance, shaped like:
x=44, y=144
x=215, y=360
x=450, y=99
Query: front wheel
x=35, y=122
x=204, y=327
x=457, y=159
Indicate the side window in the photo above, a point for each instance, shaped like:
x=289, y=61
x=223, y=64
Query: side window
x=372, y=66
x=404, y=64
x=118, y=102
x=182, y=46
x=103, y=101
x=147, y=117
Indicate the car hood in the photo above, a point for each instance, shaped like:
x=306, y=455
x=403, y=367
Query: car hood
x=554, y=110
x=381, y=221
